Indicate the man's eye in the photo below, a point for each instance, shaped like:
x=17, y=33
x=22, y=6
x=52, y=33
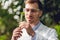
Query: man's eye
x=33, y=10
x=27, y=10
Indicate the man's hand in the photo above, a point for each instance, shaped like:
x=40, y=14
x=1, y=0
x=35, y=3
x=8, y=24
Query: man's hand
x=27, y=27
x=16, y=33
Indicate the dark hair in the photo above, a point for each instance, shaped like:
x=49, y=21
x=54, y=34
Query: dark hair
x=35, y=1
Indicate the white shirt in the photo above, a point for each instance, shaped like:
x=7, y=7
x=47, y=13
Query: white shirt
x=42, y=32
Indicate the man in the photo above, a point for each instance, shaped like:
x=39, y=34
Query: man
x=32, y=28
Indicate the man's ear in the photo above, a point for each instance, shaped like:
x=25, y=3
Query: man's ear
x=40, y=13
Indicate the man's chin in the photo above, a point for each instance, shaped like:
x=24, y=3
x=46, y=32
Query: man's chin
x=29, y=21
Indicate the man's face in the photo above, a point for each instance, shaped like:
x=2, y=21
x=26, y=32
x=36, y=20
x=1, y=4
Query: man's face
x=32, y=12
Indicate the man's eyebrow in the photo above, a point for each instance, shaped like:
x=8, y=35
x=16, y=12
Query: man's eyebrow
x=31, y=1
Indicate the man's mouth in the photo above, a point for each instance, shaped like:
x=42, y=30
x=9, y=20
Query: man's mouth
x=30, y=18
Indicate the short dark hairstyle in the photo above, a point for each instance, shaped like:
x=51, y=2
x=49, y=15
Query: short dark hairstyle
x=35, y=1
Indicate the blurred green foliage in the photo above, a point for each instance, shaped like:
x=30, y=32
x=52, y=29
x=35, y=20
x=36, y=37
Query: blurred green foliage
x=57, y=27
x=50, y=17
